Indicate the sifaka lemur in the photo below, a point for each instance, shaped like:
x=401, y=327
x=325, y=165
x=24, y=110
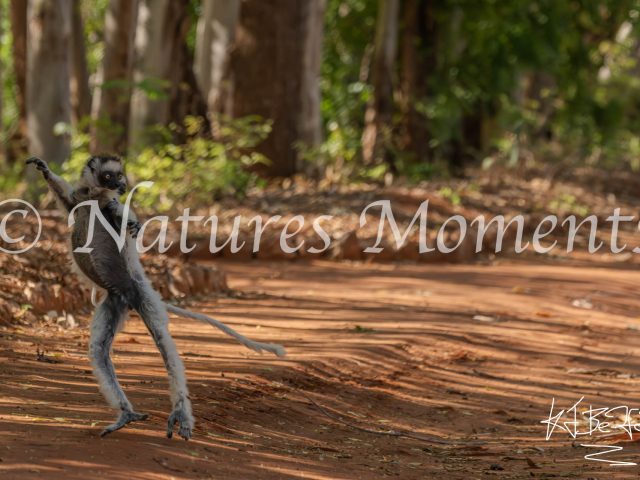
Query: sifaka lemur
x=119, y=273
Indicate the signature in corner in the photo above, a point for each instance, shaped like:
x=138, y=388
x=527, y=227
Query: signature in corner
x=598, y=420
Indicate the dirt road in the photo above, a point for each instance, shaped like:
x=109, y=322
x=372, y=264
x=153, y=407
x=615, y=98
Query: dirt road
x=467, y=353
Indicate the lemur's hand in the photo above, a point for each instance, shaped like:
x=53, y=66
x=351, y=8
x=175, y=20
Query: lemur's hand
x=113, y=206
x=40, y=165
x=134, y=228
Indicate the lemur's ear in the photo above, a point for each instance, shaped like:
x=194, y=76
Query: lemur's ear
x=92, y=165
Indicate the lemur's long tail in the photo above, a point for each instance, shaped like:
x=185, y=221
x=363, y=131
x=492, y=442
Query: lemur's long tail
x=277, y=350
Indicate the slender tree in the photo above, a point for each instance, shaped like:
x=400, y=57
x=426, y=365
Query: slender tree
x=215, y=36
x=112, y=96
x=2, y=146
x=185, y=97
x=160, y=36
x=276, y=63
x=19, y=32
x=79, y=87
x=47, y=82
x=380, y=110
x=418, y=61
x=309, y=121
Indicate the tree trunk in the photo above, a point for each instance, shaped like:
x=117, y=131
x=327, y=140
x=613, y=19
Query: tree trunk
x=2, y=145
x=538, y=83
x=19, y=32
x=418, y=38
x=185, y=97
x=112, y=96
x=215, y=37
x=160, y=35
x=79, y=87
x=47, y=82
x=378, y=117
x=468, y=145
x=309, y=118
x=276, y=63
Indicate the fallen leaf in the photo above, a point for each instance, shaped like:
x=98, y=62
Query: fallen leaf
x=595, y=371
x=127, y=340
x=359, y=329
x=484, y=318
x=531, y=464
x=582, y=303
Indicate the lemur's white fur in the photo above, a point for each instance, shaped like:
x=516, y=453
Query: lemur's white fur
x=142, y=296
x=255, y=346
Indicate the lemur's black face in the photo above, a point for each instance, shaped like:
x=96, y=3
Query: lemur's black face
x=105, y=171
x=113, y=180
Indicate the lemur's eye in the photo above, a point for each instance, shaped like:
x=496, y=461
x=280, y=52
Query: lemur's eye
x=107, y=177
x=120, y=177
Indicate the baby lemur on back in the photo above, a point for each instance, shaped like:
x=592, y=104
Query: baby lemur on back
x=120, y=274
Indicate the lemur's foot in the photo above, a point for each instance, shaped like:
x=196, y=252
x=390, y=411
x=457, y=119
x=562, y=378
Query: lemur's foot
x=134, y=228
x=126, y=416
x=186, y=424
x=40, y=164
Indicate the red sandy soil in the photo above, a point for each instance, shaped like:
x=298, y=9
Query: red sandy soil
x=386, y=347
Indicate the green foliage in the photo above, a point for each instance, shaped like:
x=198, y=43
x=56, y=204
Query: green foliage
x=449, y=194
x=344, y=83
x=93, y=14
x=194, y=9
x=568, y=204
x=419, y=171
x=10, y=114
x=10, y=177
x=543, y=79
x=152, y=87
x=531, y=71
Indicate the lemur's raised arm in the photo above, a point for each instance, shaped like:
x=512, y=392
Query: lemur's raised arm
x=58, y=185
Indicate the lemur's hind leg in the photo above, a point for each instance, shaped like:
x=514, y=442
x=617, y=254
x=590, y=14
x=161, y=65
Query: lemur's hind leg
x=149, y=305
x=104, y=326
